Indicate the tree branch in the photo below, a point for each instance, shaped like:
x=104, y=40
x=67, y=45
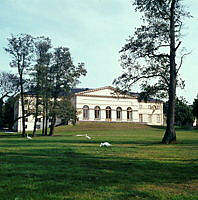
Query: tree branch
x=150, y=76
x=178, y=45
x=181, y=61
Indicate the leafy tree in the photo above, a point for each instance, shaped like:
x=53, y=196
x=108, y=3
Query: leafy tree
x=195, y=107
x=40, y=80
x=64, y=75
x=149, y=57
x=21, y=48
x=67, y=111
x=183, y=113
x=8, y=112
x=8, y=87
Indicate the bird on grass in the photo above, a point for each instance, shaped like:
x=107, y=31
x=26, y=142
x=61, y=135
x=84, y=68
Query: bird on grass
x=105, y=144
x=28, y=137
x=88, y=137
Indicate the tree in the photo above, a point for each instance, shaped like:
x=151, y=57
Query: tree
x=8, y=87
x=149, y=56
x=183, y=113
x=195, y=107
x=67, y=111
x=64, y=75
x=8, y=112
x=40, y=80
x=21, y=48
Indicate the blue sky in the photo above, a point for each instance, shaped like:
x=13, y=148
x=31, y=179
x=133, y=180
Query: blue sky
x=95, y=31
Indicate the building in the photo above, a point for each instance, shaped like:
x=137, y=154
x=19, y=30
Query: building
x=106, y=105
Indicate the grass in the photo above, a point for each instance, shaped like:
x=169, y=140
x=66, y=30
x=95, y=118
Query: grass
x=68, y=167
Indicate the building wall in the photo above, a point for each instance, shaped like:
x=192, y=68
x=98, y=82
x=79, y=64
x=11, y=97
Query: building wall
x=152, y=112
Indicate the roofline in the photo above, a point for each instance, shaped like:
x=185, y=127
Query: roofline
x=96, y=89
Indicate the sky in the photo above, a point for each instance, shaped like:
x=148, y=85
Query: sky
x=94, y=31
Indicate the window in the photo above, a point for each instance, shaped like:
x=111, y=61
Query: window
x=25, y=111
x=26, y=126
x=129, y=114
x=108, y=112
x=97, y=112
x=26, y=119
x=158, y=118
x=140, y=118
x=26, y=102
x=119, y=113
x=150, y=118
x=85, y=112
x=39, y=119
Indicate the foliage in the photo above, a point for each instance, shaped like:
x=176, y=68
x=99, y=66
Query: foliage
x=195, y=107
x=9, y=85
x=8, y=113
x=183, y=113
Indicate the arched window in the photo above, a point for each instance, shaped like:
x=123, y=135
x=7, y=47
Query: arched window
x=108, y=112
x=97, y=112
x=129, y=114
x=85, y=112
x=119, y=113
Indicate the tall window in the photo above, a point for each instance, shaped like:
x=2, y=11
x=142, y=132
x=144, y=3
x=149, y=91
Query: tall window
x=129, y=113
x=140, y=118
x=108, y=112
x=85, y=112
x=97, y=112
x=150, y=118
x=158, y=118
x=119, y=113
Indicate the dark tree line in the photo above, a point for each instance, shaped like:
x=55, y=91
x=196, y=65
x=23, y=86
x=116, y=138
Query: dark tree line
x=184, y=116
x=44, y=79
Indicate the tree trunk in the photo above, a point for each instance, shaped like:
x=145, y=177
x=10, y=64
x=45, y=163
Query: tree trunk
x=46, y=118
x=52, y=125
x=36, y=115
x=22, y=106
x=43, y=122
x=170, y=134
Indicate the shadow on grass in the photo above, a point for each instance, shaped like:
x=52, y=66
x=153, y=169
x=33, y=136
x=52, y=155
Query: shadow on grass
x=34, y=173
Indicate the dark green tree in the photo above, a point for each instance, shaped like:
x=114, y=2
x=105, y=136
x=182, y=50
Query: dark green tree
x=9, y=85
x=8, y=112
x=21, y=48
x=195, y=107
x=40, y=81
x=149, y=57
x=183, y=113
x=64, y=75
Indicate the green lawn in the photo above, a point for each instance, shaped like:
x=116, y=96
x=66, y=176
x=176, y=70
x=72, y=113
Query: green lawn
x=68, y=167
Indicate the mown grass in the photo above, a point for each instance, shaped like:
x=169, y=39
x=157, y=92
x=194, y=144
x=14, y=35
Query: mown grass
x=68, y=167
